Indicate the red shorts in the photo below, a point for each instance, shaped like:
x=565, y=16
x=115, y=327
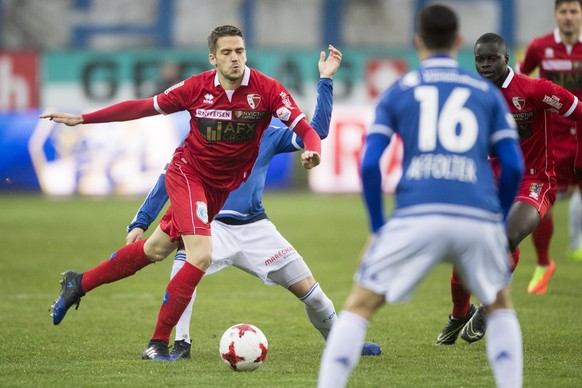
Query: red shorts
x=193, y=203
x=539, y=194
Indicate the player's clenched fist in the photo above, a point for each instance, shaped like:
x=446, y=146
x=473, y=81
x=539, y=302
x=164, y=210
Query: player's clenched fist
x=310, y=159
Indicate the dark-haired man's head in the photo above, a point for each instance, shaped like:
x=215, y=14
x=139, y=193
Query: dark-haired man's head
x=491, y=58
x=438, y=27
x=568, y=14
x=220, y=32
x=228, y=54
x=560, y=2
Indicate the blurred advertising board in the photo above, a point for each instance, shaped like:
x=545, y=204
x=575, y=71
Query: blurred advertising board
x=19, y=75
x=342, y=150
x=105, y=159
x=126, y=158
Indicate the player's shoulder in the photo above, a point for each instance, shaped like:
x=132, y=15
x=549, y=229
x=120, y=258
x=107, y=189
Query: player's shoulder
x=519, y=78
x=540, y=84
x=201, y=79
x=543, y=41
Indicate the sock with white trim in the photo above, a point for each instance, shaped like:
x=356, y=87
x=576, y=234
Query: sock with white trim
x=320, y=310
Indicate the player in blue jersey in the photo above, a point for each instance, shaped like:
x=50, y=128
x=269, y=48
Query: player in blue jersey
x=447, y=205
x=243, y=236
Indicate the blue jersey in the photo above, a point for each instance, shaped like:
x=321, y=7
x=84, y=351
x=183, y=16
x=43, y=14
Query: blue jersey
x=449, y=121
x=245, y=204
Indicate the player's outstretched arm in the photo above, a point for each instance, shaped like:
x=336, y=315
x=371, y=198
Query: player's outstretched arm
x=122, y=111
x=63, y=118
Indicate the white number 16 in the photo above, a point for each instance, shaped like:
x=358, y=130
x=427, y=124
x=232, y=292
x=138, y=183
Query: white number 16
x=443, y=125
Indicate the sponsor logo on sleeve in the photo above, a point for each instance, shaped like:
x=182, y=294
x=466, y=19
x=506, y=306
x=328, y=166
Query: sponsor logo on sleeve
x=168, y=90
x=553, y=101
x=283, y=114
x=286, y=101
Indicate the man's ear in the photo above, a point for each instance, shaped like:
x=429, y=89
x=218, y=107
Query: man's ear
x=418, y=42
x=459, y=41
x=212, y=59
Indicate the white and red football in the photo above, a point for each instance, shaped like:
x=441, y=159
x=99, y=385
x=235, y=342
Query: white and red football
x=243, y=347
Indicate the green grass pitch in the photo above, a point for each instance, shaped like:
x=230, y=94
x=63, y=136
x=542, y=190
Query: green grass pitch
x=101, y=343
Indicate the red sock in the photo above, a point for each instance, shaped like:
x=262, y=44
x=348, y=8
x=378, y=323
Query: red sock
x=515, y=256
x=123, y=263
x=461, y=297
x=178, y=295
x=541, y=237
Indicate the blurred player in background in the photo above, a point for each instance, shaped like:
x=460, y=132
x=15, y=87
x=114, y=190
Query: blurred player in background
x=230, y=107
x=170, y=75
x=242, y=234
x=530, y=101
x=448, y=207
x=558, y=56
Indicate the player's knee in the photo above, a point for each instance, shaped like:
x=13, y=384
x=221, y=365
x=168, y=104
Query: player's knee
x=514, y=238
x=155, y=253
x=200, y=260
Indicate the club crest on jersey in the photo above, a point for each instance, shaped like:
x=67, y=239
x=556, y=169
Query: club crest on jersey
x=518, y=102
x=254, y=100
x=202, y=211
x=535, y=189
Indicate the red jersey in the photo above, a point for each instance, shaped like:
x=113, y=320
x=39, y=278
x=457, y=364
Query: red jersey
x=225, y=130
x=561, y=64
x=530, y=101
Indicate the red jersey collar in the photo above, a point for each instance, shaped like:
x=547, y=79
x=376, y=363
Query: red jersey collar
x=245, y=80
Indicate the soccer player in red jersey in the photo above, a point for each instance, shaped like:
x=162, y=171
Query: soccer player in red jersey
x=230, y=108
x=530, y=102
x=558, y=56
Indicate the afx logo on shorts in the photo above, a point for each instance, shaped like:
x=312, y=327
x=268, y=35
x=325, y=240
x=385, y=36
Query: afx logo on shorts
x=242, y=128
x=535, y=189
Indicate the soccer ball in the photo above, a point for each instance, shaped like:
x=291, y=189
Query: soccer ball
x=243, y=347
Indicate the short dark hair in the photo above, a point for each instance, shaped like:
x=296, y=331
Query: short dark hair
x=491, y=37
x=559, y=2
x=437, y=27
x=219, y=32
